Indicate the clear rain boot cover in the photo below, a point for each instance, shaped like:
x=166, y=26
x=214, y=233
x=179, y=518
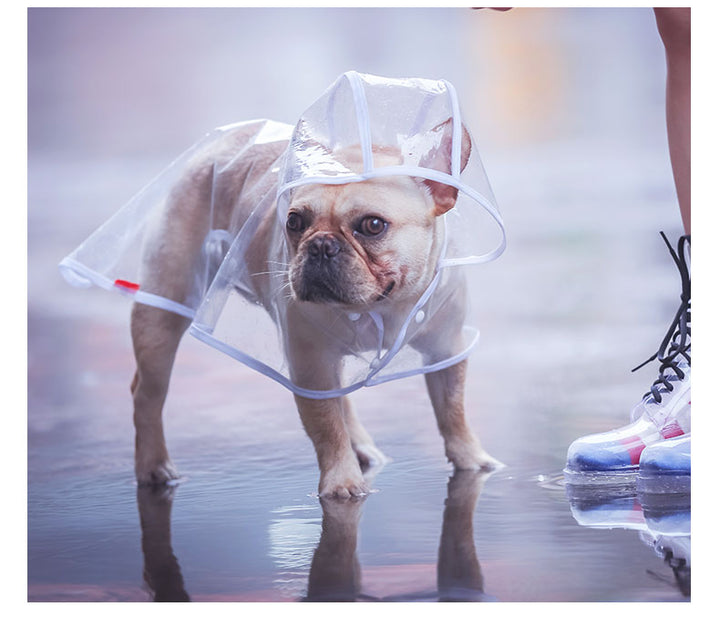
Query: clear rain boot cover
x=208, y=238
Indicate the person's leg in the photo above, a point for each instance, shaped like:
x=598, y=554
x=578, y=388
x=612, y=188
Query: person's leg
x=674, y=28
x=664, y=412
x=665, y=465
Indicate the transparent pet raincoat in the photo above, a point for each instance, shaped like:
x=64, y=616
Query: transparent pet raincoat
x=235, y=290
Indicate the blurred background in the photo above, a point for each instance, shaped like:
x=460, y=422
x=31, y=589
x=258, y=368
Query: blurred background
x=567, y=108
x=566, y=105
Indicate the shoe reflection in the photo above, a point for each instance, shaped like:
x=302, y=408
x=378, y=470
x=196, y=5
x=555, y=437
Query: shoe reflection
x=161, y=570
x=668, y=521
x=662, y=521
x=335, y=571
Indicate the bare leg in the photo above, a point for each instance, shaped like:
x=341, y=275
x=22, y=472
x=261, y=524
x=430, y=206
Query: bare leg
x=674, y=28
x=447, y=390
x=156, y=335
x=324, y=422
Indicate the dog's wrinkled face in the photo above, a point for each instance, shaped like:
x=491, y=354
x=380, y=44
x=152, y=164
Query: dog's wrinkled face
x=361, y=243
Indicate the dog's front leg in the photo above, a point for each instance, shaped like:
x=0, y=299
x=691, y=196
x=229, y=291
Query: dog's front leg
x=324, y=422
x=447, y=392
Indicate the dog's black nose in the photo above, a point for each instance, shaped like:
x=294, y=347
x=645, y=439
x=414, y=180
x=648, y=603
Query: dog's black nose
x=324, y=245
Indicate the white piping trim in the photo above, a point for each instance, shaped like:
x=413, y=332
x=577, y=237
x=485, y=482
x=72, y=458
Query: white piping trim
x=455, y=164
x=396, y=170
x=431, y=368
x=428, y=174
x=363, y=118
x=400, y=338
x=382, y=361
x=380, y=325
x=143, y=297
x=204, y=335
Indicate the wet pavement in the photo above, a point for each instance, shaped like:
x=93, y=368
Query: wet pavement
x=583, y=294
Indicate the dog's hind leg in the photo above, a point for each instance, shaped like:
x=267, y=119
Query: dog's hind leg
x=367, y=452
x=156, y=334
x=447, y=390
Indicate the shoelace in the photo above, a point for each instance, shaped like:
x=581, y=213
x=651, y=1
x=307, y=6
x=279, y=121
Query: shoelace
x=676, y=344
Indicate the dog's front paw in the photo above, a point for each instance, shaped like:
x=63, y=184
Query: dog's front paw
x=155, y=472
x=343, y=482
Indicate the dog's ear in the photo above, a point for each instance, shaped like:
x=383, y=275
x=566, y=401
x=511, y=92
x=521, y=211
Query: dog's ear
x=440, y=158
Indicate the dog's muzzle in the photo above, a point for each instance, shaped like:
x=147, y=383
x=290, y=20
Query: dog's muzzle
x=322, y=273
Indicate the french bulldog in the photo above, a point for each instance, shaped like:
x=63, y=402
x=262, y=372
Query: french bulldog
x=370, y=245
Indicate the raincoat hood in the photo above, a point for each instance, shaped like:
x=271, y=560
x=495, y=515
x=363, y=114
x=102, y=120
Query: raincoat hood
x=362, y=128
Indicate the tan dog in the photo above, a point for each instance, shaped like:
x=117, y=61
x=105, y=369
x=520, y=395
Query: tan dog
x=368, y=245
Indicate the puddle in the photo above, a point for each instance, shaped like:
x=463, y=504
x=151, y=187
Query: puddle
x=244, y=524
x=421, y=537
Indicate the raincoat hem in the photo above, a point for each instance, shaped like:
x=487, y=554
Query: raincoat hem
x=79, y=275
x=207, y=338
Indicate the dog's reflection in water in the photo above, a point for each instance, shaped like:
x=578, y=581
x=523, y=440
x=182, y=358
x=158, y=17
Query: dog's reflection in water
x=459, y=576
x=161, y=570
x=335, y=571
x=335, y=574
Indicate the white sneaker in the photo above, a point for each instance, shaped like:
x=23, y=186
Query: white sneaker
x=663, y=413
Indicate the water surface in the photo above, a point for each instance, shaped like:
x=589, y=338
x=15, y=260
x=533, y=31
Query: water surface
x=244, y=523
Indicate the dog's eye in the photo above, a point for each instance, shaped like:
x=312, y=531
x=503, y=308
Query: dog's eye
x=372, y=226
x=295, y=222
